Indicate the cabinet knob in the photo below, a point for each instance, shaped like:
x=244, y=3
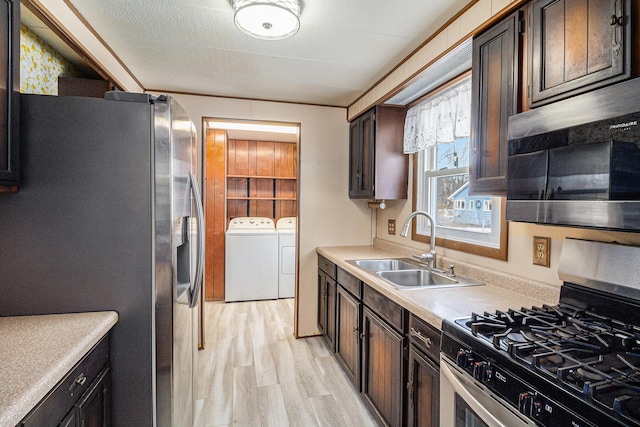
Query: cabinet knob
x=79, y=381
x=617, y=20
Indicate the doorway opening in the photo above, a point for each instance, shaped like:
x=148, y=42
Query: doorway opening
x=250, y=170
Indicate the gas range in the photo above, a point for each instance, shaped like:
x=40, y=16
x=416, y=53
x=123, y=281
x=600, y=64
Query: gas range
x=576, y=363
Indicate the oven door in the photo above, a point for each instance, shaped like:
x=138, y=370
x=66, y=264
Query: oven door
x=465, y=403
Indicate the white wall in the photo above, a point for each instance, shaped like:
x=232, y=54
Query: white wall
x=520, y=256
x=326, y=215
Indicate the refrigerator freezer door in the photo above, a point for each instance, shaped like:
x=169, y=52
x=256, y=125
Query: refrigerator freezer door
x=174, y=154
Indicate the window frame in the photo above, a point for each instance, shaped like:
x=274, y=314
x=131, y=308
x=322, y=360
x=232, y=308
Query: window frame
x=500, y=253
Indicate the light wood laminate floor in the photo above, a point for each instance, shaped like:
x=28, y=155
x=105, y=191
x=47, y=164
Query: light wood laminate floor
x=253, y=372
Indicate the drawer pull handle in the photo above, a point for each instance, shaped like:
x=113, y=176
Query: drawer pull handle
x=425, y=340
x=82, y=378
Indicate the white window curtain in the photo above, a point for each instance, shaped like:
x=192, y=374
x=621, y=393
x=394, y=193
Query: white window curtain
x=439, y=119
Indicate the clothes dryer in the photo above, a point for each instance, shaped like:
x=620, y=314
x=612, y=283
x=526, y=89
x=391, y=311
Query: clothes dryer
x=286, y=228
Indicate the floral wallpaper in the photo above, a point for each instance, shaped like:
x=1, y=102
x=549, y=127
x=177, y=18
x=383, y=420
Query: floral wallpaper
x=40, y=65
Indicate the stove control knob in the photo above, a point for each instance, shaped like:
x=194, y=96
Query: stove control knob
x=482, y=371
x=464, y=358
x=530, y=404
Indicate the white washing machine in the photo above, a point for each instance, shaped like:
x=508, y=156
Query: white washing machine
x=251, y=260
x=286, y=228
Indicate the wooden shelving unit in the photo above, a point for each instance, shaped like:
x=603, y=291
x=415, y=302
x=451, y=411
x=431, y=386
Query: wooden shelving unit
x=261, y=179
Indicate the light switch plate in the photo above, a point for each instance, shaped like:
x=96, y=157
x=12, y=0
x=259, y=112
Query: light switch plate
x=391, y=226
x=542, y=251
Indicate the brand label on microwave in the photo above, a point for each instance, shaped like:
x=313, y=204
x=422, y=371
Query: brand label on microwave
x=624, y=125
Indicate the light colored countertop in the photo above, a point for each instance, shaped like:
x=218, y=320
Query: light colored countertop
x=36, y=352
x=434, y=305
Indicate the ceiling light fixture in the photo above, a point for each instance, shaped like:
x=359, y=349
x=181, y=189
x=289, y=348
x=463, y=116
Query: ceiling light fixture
x=267, y=19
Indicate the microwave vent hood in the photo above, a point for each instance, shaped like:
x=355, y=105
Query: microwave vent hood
x=577, y=162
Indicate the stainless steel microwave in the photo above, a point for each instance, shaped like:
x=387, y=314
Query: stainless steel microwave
x=577, y=162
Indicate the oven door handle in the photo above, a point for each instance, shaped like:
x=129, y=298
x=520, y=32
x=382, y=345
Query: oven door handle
x=463, y=387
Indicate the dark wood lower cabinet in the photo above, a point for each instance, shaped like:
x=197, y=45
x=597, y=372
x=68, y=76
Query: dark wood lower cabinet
x=383, y=364
x=389, y=354
x=423, y=389
x=348, y=334
x=84, y=395
x=326, y=308
x=94, y=407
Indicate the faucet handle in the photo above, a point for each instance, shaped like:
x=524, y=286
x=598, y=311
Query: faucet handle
x=423, y=257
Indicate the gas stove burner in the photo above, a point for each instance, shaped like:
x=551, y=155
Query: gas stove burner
x=550, y=361
x=588, y=375
x=517, y=337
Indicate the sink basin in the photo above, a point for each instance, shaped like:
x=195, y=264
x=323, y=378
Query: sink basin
x=420, y=279
x=390, y=264
x=405, y=273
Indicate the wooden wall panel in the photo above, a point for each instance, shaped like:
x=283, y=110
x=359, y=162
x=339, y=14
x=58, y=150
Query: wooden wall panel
x=215, y=218
x=265, y=158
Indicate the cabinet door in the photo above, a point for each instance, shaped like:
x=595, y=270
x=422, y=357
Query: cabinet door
x=355, y=172
x=362, y=156
x=382, y=368
x=326, y=308
x=348, y=334
x=330, y=330
x=322, y=301
x=94, y=408
x=9, y=94
x=578, y=45
x=423, y=388
x=494, y=85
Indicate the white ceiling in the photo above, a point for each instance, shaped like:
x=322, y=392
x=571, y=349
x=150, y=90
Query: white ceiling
x=342, y=48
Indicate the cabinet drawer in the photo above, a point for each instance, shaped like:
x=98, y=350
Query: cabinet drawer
x=327, y=266
x=384, y=307
x=424, y=336
x=55, y=406
x=350, y=283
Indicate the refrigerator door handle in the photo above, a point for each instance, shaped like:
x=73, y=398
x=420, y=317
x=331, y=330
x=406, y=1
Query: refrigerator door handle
x=197, y=284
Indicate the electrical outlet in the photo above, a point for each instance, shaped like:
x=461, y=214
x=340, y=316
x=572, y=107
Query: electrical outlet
x=542, y=251
x=391, y=226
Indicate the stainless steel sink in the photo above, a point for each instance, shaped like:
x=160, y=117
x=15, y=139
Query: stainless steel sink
x=405, y=273
x=390, y=264
x=421, y=279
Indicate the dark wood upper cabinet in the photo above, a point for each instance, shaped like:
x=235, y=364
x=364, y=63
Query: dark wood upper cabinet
x=377, y=167
x=10, y=95
x=74, y=86
x=577, y=46
x=495, y=91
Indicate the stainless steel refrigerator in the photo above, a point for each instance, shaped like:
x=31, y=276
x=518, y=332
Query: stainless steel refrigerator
x=109, y=217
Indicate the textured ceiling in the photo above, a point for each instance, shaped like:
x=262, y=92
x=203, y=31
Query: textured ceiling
x=343, y=46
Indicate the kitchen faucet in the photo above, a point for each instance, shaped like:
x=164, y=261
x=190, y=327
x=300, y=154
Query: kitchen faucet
x=431, y=256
